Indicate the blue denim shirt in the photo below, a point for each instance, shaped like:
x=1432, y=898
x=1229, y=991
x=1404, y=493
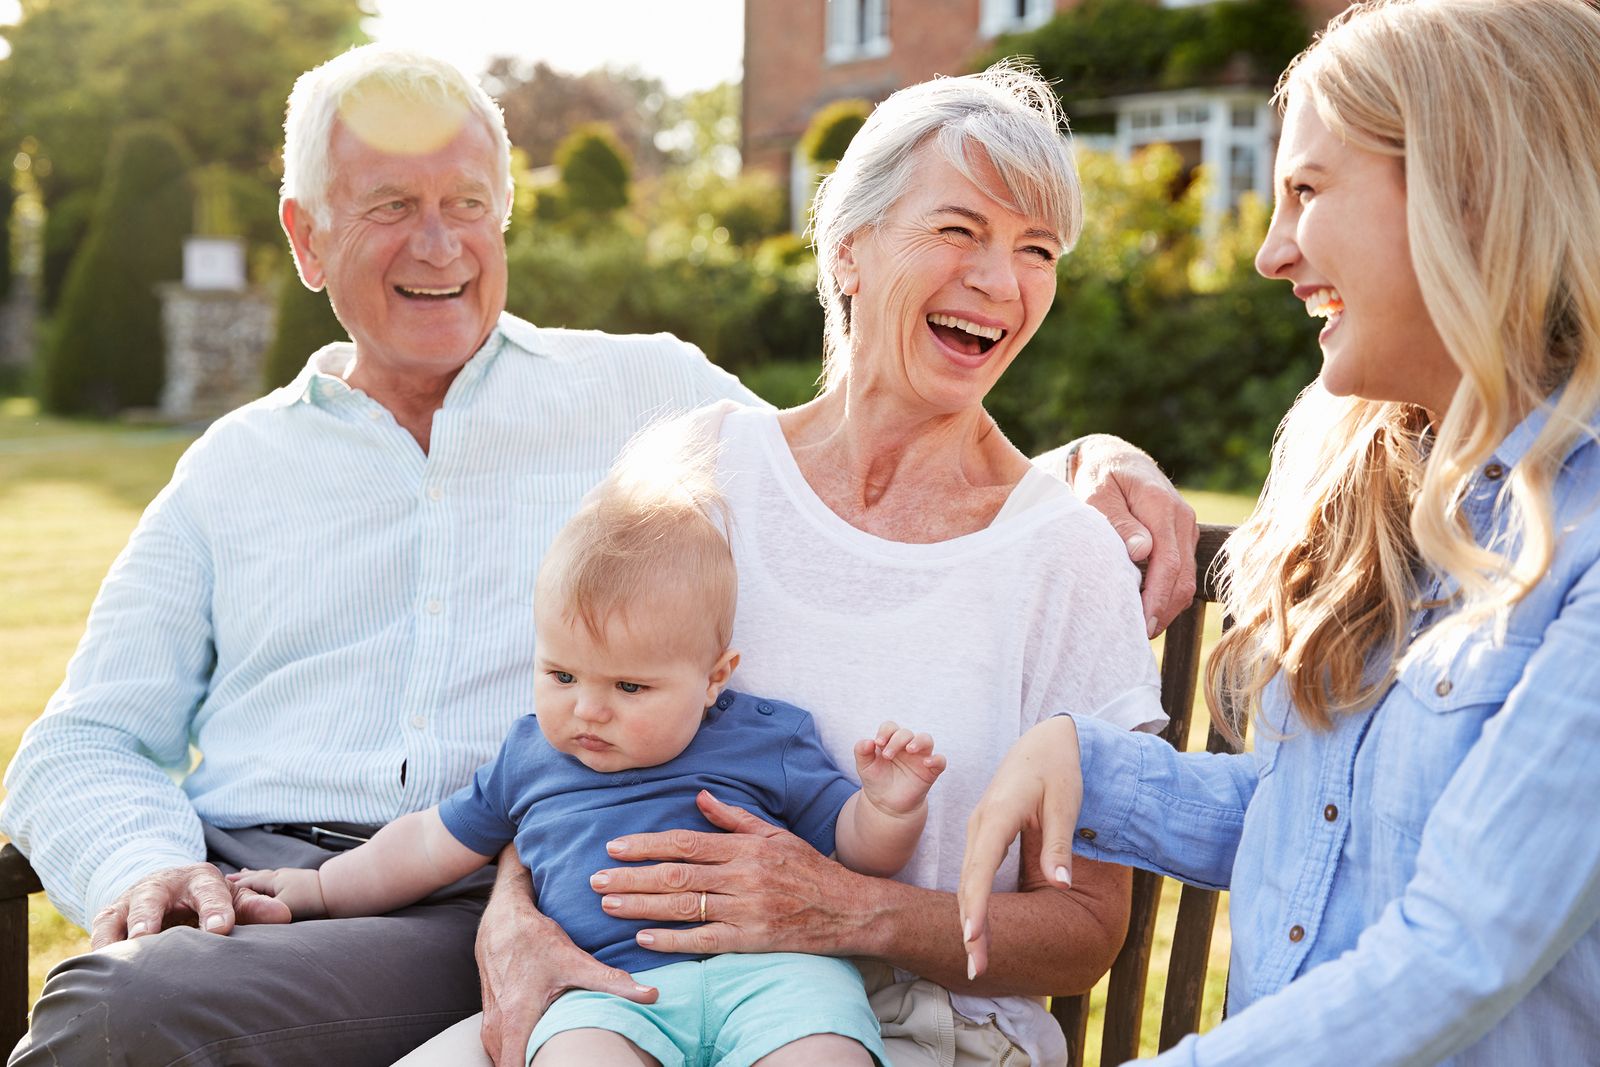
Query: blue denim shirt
x=1420, y=884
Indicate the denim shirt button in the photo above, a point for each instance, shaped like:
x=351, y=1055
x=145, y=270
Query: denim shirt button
x=1297, y=933
x=1331, y=813
x=1494, y=472
x=1443, y=688
x=1087, y=834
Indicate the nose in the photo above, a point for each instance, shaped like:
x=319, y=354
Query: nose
x=434, y=241
x=1278, y=252
x=592, y=707
x=992, y=271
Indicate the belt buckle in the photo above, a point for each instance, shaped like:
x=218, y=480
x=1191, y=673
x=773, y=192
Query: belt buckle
x=320, y=834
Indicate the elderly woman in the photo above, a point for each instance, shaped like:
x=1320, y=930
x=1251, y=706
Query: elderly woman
x=897, y=556
x=1411, y=848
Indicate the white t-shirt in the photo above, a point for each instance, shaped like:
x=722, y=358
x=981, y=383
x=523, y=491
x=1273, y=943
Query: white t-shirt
x=973, y=640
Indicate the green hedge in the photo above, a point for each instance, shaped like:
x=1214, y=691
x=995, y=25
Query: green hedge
x=107, y=351
x=305, y=322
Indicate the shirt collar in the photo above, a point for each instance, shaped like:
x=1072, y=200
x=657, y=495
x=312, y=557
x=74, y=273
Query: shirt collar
x=322, y=380
x=1514, y=448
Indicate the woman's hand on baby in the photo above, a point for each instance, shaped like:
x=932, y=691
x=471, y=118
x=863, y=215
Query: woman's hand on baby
x=1039, y=786
x=297, y=887
x=897, y=767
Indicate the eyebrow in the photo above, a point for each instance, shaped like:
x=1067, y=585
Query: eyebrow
x=1036, y=232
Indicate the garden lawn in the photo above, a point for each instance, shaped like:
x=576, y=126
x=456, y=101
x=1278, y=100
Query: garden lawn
x=71, y=492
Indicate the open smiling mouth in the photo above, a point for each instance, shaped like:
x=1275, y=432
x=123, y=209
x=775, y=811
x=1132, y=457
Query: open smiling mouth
x=963, y=335
x=417, y=292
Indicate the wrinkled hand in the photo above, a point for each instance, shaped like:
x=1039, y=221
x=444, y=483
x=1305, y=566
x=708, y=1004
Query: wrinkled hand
x=1126, y=486
x=1039, y=786
x=193, y=895
x=525, y=962
x=766, y=889
x=297, y=888
x=897, y=767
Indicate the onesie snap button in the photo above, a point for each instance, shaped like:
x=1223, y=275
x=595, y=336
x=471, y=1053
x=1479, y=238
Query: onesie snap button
x=724, y=702
x=764, y=708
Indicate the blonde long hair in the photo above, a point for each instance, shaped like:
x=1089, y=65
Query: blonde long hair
x=1492, y=106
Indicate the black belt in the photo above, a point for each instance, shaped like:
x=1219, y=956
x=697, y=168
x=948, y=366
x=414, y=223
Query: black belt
x=338, y=836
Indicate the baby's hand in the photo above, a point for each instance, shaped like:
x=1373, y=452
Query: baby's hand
x=897, y=768
x=297, y=887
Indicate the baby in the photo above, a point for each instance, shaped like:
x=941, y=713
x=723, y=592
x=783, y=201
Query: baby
x=633, y=613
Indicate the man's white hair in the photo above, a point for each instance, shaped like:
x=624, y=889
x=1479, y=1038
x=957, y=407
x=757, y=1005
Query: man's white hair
x=412, y=77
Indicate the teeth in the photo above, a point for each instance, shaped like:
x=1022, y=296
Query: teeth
x=1324, y=303
x=415, y=290
x=992, y=333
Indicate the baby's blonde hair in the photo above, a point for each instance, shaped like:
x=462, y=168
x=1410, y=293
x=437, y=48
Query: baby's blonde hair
x=651, y=537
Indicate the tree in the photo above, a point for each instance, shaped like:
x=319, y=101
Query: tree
x=543, y=107
x=305, y=322
x=108, y=352
x=594, y=178
x=217, y=71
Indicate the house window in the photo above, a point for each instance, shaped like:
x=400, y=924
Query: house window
x=857, y=29
x=1241, y=171
x=1014, y=16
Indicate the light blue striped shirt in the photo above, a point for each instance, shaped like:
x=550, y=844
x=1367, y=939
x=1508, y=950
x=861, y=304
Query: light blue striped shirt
x=340, y=624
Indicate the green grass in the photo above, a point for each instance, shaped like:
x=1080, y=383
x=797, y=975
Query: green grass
x=71, y=492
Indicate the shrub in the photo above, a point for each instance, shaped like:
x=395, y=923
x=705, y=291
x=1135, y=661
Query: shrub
x=305, y=322
x=832, y=129
x=107, y=351
x=594, y=172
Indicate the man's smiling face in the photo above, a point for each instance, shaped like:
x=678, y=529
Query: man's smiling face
x=412, y=252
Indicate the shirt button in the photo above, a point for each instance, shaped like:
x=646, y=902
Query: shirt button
x=724, y=702
x=374, y=414
x=765, y=709
x=435, y=493
x=1297, y=933
x=1330, y=813
x=1087, y=834
x=1494, y=472
x=434, y=607
x=419, y=721
x=1443, y=688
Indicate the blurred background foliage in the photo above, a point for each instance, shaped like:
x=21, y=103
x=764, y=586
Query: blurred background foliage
x=632, y=214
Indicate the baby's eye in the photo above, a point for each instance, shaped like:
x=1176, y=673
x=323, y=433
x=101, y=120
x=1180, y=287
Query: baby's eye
x=630, y=687
x=563, y=677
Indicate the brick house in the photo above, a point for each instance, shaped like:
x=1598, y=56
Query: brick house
x=802, y=54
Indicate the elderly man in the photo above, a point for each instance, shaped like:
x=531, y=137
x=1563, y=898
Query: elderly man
x=331, y=603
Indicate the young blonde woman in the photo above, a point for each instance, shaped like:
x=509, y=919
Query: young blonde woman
x=1411, y=848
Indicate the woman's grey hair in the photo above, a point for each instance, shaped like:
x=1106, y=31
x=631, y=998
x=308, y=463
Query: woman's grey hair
x=413, y=77
x=1008, y=115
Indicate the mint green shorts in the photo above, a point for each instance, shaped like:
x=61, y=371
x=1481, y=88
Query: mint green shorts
x=728, y=1010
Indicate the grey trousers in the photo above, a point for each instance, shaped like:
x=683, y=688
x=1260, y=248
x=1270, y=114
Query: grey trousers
x=336, y=991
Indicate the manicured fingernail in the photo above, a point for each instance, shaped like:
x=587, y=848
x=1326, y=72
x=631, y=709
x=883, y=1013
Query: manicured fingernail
x=1150, y=626
x=600, y=881
x=213, y=922
x=972, y=968
x=1063, y=877
x=137, y=930
x=616, y=848
x=644, y=938
x=610, y=902
x=966, y=929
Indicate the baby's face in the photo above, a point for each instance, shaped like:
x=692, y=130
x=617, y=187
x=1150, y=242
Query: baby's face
x=634, y=699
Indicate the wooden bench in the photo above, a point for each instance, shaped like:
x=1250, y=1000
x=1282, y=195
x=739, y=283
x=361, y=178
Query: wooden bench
x=1180, y=664
x=1129, y=987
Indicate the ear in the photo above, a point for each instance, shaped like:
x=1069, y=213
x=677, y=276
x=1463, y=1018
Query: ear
x=300, y=227
x=845, y=272
x=720, y=675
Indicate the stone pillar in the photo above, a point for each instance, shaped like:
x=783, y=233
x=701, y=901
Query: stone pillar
x=216, y=340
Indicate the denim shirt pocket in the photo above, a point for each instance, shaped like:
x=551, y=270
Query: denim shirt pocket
x=1431, y=718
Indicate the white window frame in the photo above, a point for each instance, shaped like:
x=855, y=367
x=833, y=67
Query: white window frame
x=856, y=29
x=1000, y=16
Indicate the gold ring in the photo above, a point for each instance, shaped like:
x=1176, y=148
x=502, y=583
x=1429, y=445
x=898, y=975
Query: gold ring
x=702, y=907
